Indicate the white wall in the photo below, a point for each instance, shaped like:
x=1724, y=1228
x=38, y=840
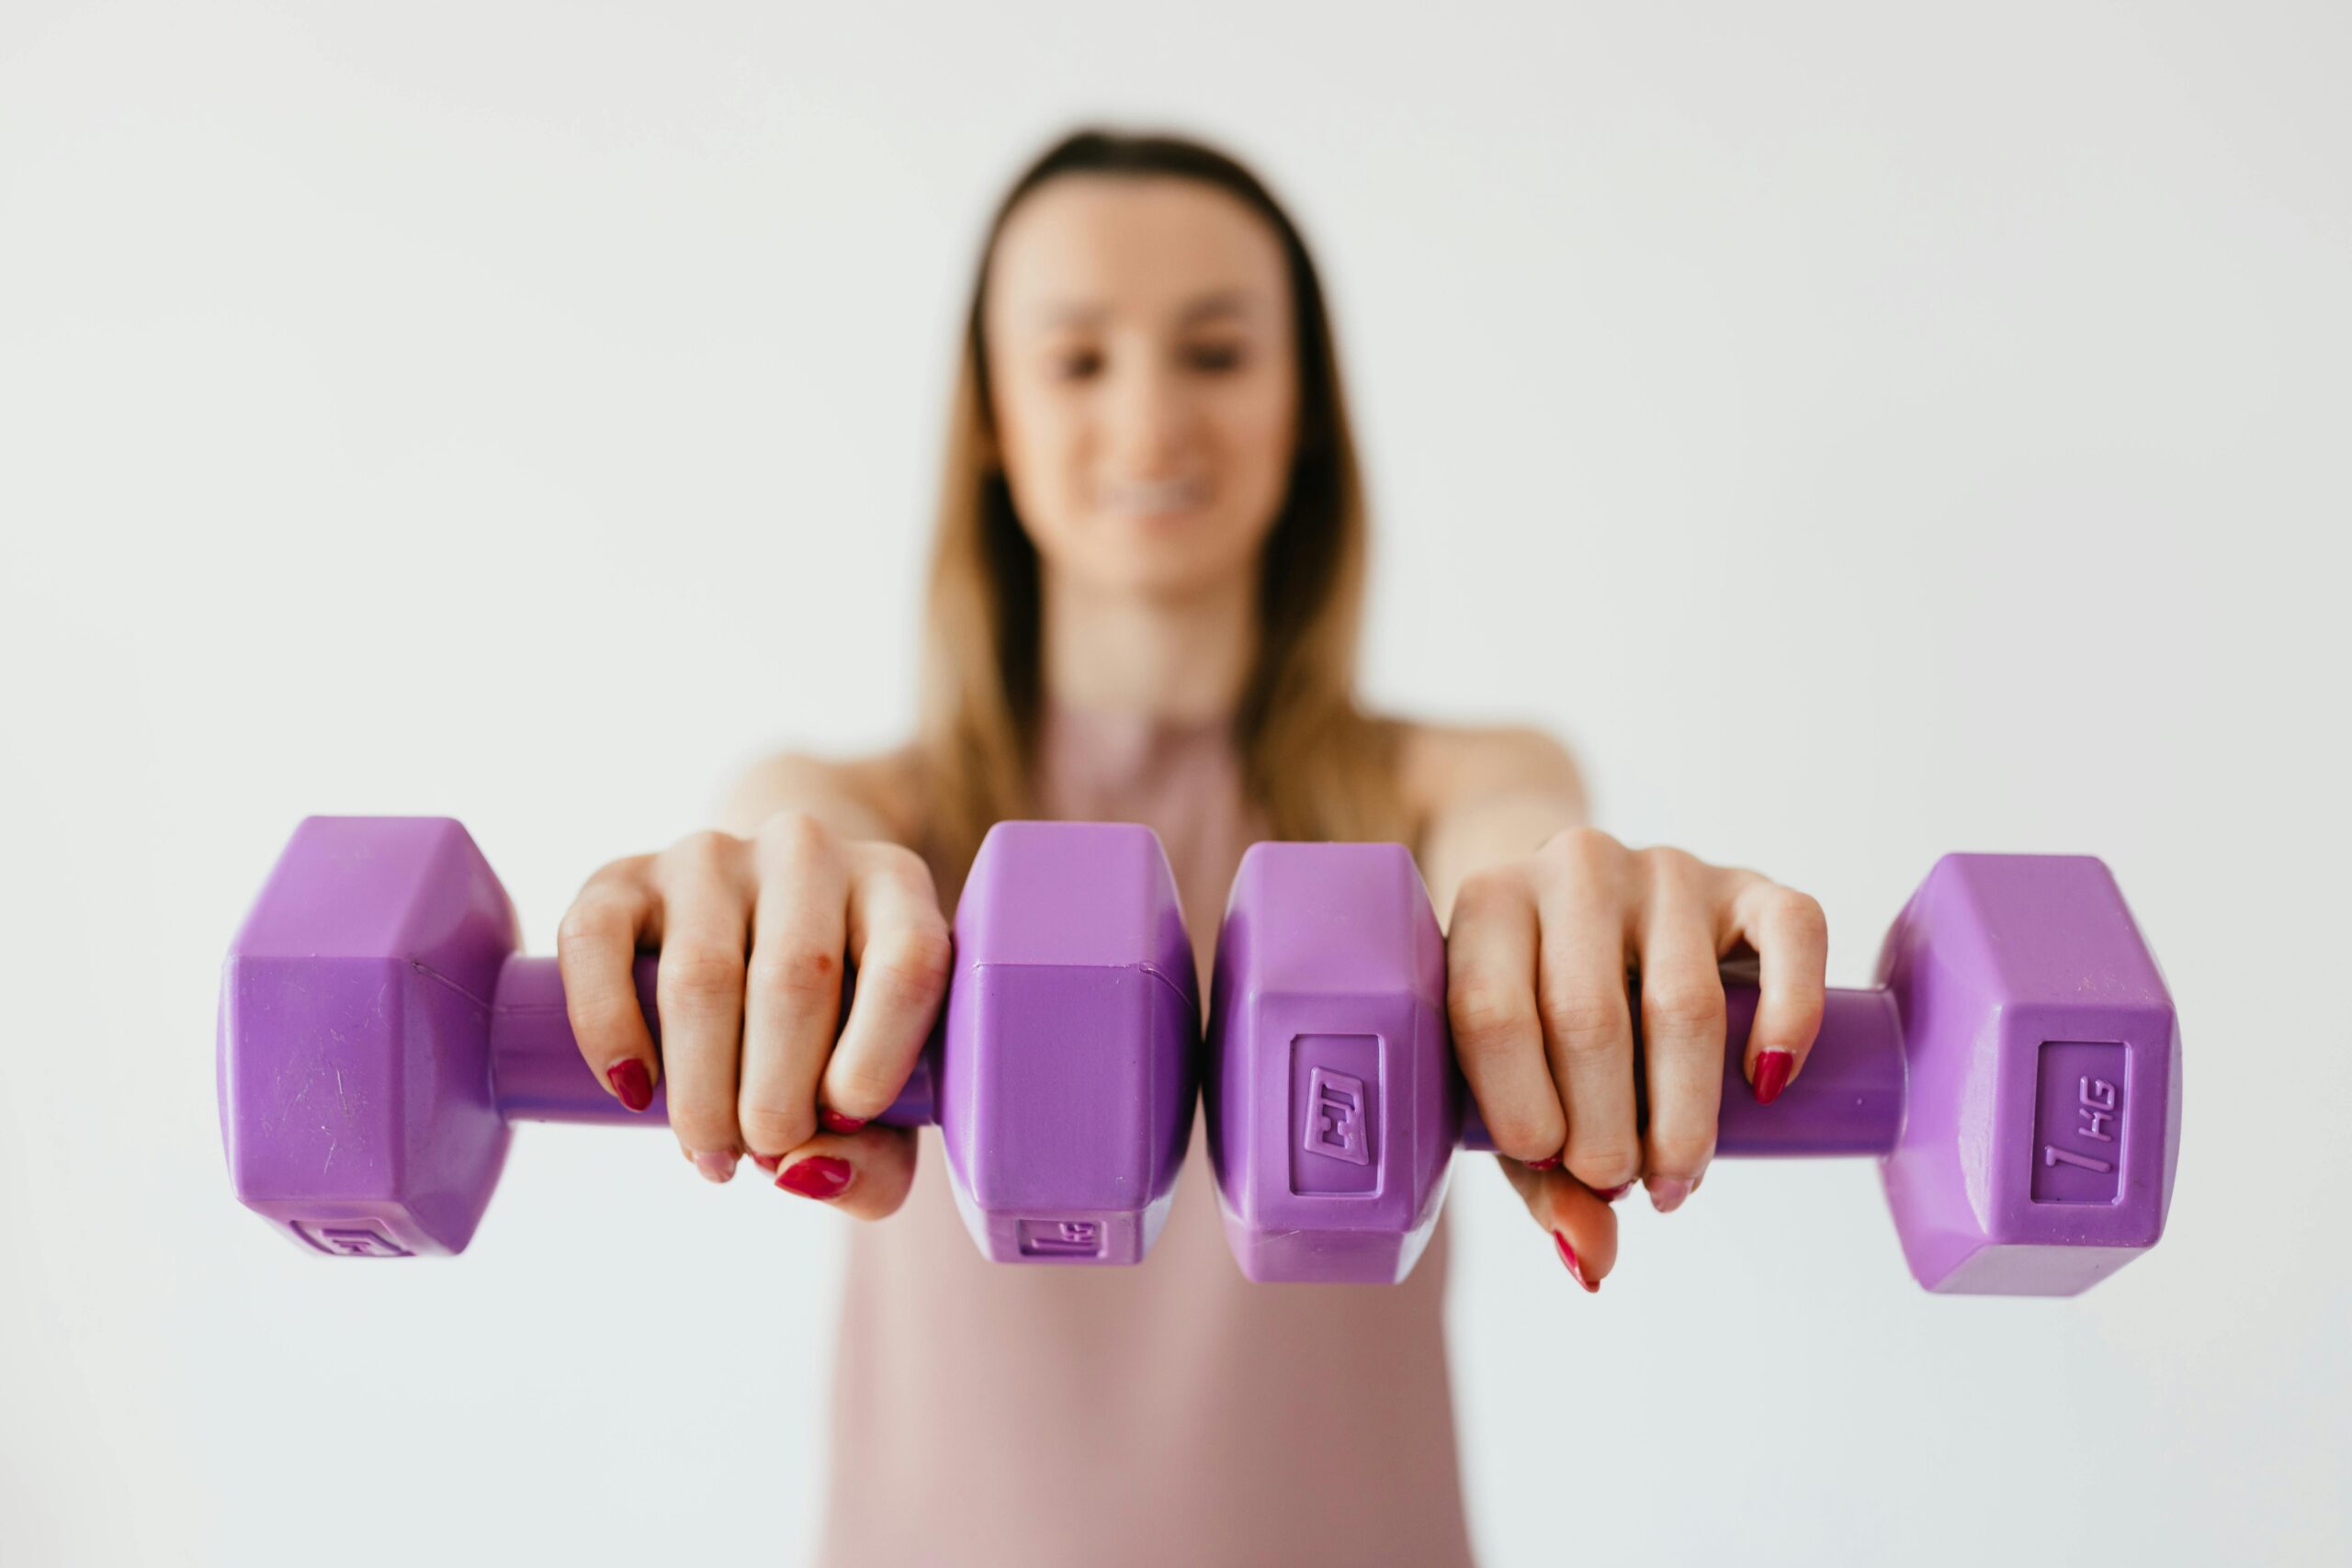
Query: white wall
x=1863, y=430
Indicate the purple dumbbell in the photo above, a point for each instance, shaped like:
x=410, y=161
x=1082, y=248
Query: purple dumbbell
x=2015, y=1070
x=379, y=1032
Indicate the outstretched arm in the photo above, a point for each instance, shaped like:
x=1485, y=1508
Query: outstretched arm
x=1562, y=945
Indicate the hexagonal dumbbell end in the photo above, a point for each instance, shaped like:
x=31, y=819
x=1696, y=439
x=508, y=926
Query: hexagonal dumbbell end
x=1066, y=1116
x=379, y=1033
x=356, y=1104
x=1333, y=1100
x=2033, y=1152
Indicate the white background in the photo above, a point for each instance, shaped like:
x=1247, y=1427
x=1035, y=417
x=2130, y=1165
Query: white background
x=1862, y=431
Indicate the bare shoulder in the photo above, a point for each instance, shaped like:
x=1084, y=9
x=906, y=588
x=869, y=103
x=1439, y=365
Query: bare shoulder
x=874, y=795
x=1443, y=766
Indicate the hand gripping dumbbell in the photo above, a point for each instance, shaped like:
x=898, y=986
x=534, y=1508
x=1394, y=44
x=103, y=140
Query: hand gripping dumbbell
x=2016, y=1071
x=379, y=1032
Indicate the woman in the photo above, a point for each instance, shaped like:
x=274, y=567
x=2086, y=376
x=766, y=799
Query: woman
x=1143, y=605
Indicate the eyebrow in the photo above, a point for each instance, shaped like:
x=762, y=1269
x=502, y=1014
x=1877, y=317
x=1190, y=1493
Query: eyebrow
x=1226, y=302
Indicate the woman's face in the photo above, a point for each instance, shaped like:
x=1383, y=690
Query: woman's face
x=1144, y=374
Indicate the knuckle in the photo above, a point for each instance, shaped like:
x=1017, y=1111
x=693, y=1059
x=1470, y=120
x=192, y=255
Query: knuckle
x=1489, y=1017
x=1680, y=1150
x=1603, y=1161
x=704, y=850
x=600, y=906
x=903, y=865
x=701, y=1119
x=1518, y=1124
x=601, y=1014
x=775, y=1128
x=1667, y=861
x=1585, y=848
x=794, y=835
x=912, y=963
x=1588, y=1023
x=1481, y=888
x=1800, y=913
x=856, y=1083
x=797, y=972
x=1683, y=1003
x=584, y=922
x=701, y=975
x=614, y=881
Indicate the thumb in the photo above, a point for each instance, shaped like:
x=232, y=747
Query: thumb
x=1582, y=1224
x=865, y=1174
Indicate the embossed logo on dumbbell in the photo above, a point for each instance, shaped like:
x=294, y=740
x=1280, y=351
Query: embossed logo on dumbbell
x=1060, y=1238
x=2094, y=1104
x=1335, y=1104
x=351, y=1240
x=2078, y=1122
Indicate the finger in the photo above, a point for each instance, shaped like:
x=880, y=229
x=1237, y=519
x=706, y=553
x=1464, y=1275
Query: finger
x=865, y=1174
x=1791, y=936
x=1490, y=945
x=596, y=953
x=1580, y=997
x=900, y=943
x=1583, y=1226
x=698, y=989
x=1682, y=1025
x=793, y=996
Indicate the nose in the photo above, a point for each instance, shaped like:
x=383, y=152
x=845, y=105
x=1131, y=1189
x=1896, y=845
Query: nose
x=1149, y=418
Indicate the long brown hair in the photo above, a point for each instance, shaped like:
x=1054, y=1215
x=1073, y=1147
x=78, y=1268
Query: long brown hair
x=1319, y=766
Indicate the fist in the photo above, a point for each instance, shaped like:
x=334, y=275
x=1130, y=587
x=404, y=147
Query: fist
x=1585, y=990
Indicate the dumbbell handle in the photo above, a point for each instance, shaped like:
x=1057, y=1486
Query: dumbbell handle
x=1848, y=1100
x=539, y=1074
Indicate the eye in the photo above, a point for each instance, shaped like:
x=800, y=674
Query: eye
x=1217, y=355
x=1077, y=364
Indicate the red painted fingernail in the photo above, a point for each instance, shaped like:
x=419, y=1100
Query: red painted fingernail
x=1611, y=1194
x=1772, y=1070
x=631, y=1082
x=767, y=1162
x=818, y=1176
x=834, y=1121
x=1549, y=1162
x=1568, y=1257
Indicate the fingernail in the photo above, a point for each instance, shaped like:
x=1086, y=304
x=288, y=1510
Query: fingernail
x=1549, y=1162
x=1611, y=1194
x=767, y=1162
x=834, y=1121
x=716, y=1165
x=1773, y=1069
x=1666, y=1194
x=818, y=1176
x=1568, y=1257
x=631, y=1082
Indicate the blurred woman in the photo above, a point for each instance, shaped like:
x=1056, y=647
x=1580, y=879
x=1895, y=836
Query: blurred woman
x=1144, y=603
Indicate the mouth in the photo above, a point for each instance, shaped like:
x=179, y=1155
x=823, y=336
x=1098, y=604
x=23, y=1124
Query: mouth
x=1154, y=499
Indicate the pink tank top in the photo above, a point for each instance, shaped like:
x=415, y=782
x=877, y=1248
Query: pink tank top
x=1172, y=1412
